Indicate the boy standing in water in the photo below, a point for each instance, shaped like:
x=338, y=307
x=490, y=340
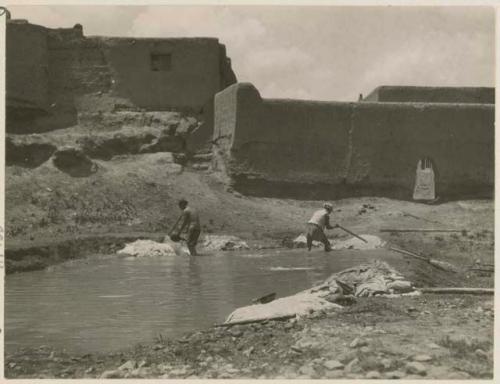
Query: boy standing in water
x=191, y=221
x=316, y=227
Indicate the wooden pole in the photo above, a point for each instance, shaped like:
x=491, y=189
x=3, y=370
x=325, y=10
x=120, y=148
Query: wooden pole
x=489, y=270
x=352, y=233
x=251, y=321
x=419, y=230
x=473, y=291
x=445, y=266
x=420, y=218
x=404, y=252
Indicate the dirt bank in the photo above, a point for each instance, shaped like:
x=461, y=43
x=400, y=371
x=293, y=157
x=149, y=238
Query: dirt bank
x=40, y=254
x=430, y=336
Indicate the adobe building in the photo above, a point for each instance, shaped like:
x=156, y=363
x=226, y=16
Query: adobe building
x=53, y=75
x=321, y=150
x=269, y=147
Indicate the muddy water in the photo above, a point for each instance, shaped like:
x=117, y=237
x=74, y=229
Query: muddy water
x=109, y=303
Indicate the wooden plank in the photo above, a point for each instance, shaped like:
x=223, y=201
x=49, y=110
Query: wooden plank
x=419, y=230
x=479, y=265
x=405, y=252
x=473, y=291
x=351, y=233
x=490, y=270
x=251, y=321
x=265, y=299
x=420, y=218
x=445, y=266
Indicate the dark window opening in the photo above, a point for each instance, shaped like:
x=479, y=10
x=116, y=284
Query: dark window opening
x=161, y=62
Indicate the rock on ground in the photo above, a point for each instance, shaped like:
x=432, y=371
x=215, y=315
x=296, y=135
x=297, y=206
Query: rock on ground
x=373, y=375
x=357, y=342
x=416, y=368
x=422, y=358
x=113, y=374
x=128, y=366
x=333, y=364
x=395, y=375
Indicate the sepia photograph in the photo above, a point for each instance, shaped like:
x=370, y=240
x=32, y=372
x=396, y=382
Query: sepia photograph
x=236, y=191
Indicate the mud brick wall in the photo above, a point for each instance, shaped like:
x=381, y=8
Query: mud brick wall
x=389, y=139
x=193, y=77
x=475, y=95
x=77, y=67
x=59, y=73
x=326, y=149
x=27, y=66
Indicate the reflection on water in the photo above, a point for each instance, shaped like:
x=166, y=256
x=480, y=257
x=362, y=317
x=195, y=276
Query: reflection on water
x=110, y=303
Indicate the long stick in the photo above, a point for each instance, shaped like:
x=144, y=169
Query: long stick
x=352, y=233
x=420, y=218
x=420, y=230
x=408, y=253
x=475, y=291
x=241, y=322
x=482, y=269
x=445, y=266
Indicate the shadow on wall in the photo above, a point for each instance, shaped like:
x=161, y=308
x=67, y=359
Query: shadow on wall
x=30, y=120
x=322, y=191
x=316, y=191
x=39, y=85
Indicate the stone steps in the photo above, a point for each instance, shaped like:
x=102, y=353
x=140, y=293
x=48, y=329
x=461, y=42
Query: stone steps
x=200, y=167
x=204, y=151
x=202, y=157
x=202, y=160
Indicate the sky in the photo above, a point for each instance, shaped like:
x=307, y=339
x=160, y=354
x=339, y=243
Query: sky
x=312, y=52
